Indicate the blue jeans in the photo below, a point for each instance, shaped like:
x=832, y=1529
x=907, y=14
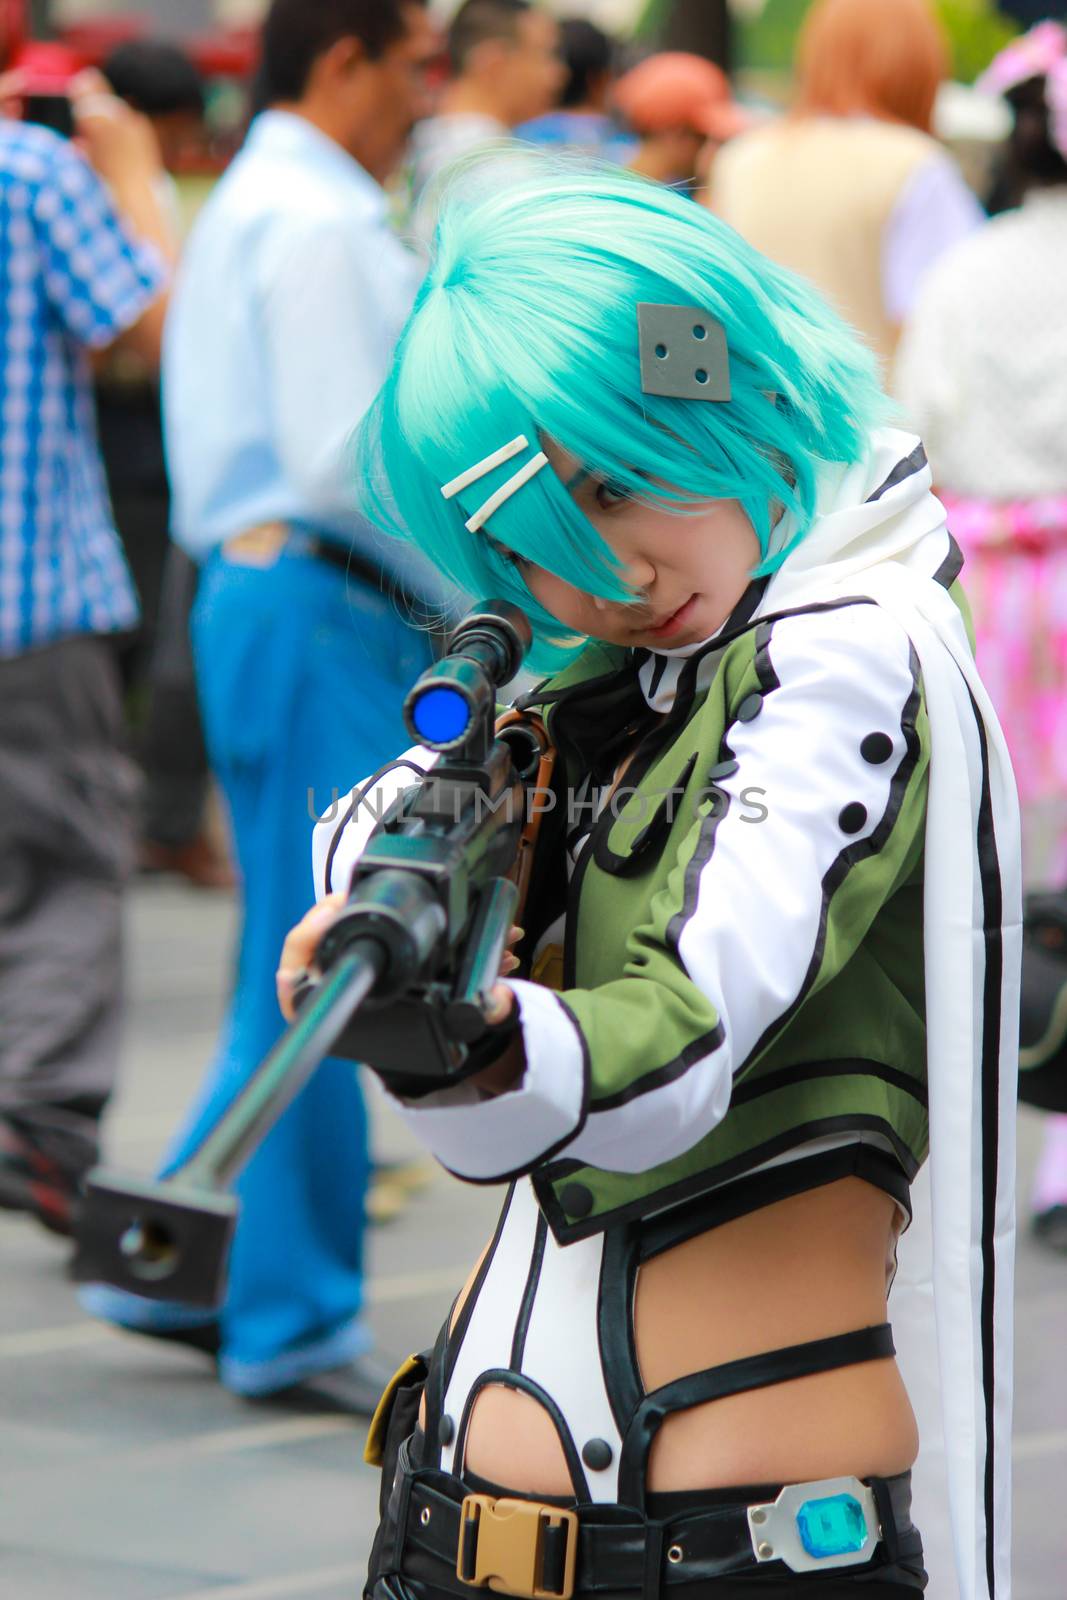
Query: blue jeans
x=301, y=676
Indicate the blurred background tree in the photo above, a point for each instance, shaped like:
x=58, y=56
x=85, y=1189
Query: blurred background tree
x=702, y=26
x=977, y=30
x=764, y=35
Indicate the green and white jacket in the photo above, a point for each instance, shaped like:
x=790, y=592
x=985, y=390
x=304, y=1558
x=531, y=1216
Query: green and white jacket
x=795, y=926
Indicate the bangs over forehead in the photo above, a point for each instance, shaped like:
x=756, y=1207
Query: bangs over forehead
x=527, y=325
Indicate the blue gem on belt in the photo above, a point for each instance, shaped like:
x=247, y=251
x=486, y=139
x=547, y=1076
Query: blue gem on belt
x=833, y=1526
x=818, y=1525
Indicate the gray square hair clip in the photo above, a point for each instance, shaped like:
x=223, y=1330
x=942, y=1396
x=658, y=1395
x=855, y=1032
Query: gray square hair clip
x=683, y=353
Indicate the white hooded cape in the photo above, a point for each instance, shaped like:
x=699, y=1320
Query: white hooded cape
x=881, y=532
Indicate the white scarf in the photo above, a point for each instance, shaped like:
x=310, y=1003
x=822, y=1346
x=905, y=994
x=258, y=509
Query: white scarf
x=954, y=1286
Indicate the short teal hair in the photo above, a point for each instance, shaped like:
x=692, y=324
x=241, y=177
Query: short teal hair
x=526, y=324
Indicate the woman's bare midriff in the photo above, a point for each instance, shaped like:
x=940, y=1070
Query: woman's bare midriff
x=805, y=1268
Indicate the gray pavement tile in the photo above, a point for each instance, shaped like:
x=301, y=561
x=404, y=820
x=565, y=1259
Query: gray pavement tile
x=34, y=1574
x=40, y=1448
x=37, y=1292
x=231, y=1515
x=1041, y=1377
x=1040, y=1540
x=115, y=1389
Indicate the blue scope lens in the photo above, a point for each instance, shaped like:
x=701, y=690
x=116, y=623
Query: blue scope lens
x=440, y=715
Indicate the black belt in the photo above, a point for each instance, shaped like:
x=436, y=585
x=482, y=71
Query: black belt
x=348, y=561
x=419, y=612
x=616, y=1549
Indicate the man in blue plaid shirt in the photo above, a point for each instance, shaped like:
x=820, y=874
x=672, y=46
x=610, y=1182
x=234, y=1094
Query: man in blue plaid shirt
x=82, y=265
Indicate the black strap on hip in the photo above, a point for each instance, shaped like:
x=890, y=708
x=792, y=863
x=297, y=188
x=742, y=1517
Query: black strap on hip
x=623, y=1553
x=738, y=1377
x=435, y=1398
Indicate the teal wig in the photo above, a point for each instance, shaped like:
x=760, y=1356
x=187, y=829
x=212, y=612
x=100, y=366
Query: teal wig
x=527, y=324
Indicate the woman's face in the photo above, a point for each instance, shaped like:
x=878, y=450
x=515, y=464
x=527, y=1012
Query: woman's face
x=687, y=572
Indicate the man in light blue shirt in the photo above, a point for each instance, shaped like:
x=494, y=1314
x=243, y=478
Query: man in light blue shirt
x=289, y=304
x=289, y=300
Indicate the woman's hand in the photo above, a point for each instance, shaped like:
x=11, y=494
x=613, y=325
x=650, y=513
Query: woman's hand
x=120, y=142
x=297, y=962
x=508, y=1069
x=501, y=998
x=298, y=951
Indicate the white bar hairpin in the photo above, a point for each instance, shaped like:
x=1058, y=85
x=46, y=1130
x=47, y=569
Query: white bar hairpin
x=506, y=490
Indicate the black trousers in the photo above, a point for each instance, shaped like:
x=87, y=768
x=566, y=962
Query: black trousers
x=67, y=809
x=172, y=748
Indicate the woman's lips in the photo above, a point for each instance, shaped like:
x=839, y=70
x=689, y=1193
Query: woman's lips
x=676, y=620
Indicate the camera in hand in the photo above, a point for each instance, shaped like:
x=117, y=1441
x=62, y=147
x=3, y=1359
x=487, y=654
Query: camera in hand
x=50, y=111
x=45, y=71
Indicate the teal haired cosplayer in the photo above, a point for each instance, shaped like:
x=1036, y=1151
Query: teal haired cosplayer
x=527, y=327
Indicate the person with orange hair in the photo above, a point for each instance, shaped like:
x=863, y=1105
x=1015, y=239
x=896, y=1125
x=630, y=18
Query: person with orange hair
x=682, y=110
x=852, y=189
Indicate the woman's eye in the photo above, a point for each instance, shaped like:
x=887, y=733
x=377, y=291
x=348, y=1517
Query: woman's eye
x=506, y=554
x=609, y=495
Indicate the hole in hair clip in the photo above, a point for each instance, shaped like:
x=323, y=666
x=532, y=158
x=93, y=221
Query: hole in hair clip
x=661, y=351
x=700, y=332
x=700, y=375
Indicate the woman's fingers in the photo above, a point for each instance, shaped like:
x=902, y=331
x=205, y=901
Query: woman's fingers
x=501, y=1004
x=298, y=951
x=510, y=962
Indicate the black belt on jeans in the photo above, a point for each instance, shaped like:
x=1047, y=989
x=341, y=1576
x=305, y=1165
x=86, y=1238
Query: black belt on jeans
x=348, y=560
x=420, y=613
x=600, y=1548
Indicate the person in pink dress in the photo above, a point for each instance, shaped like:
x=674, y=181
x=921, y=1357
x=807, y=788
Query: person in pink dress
x=982, y=372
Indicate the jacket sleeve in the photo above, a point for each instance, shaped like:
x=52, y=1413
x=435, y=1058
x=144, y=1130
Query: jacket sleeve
x=775, y=883
x=340, y=837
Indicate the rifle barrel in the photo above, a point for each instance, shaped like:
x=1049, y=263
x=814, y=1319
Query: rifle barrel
x=283, y=1073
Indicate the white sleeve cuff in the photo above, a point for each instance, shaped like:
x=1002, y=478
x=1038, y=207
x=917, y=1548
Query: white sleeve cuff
x=340, y=837
x=492, y=1141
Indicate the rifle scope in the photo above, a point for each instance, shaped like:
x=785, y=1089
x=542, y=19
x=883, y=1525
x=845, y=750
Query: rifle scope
x=456, y=695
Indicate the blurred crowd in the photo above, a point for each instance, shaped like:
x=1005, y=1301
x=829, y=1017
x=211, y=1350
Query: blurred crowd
x=200, y=638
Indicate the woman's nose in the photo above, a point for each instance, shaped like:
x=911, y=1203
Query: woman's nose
x=637, y=573
x=640, y=573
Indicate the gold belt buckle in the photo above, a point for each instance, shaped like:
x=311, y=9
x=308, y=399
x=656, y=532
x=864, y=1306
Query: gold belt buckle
x=502, y=1546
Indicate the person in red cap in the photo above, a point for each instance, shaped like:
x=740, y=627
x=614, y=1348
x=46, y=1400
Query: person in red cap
x=682, y=109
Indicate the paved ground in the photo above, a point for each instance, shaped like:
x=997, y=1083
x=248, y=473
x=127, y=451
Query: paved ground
x=126, y=1474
